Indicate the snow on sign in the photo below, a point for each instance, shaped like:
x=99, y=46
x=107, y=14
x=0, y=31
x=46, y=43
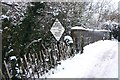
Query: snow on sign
x=57, y=29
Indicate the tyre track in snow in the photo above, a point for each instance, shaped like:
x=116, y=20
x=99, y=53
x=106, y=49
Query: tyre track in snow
x=104, y=65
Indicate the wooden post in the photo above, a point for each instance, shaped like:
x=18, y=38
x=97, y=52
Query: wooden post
x=23, y=65
x=2, y=75
x=40, y=56
x=37, y=64
x=7, y=70
x=50, y=59
x=43, y=63
x=37, y=57
x=46, y=54
x=51, y=56
x=27, y=65
x=33, y=69
x=21, y=73
x=64, y=53
x=61, y=53
x=30, y=58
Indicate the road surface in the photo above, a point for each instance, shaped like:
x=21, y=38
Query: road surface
x=99, y=60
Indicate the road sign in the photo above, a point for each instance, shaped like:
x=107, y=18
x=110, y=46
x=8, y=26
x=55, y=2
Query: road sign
x=57, y=29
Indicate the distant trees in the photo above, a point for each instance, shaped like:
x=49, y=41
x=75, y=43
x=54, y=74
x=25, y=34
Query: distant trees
x=100, y=11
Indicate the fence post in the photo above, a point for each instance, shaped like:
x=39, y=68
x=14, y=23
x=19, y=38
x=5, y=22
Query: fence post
x=27, y=65
x=44, y=62
x=52, y=54
x=30, y=57
x=22, y=65
x=37, y=64
x=65, y=51
x=7, y=70
x=40, y=53
x=3, y=77
x=47, y=59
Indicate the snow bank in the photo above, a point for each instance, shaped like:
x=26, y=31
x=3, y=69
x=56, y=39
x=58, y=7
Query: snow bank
x=99, y=60
x=69, y=38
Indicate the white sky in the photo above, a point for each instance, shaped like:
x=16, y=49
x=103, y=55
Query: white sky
x=113, y=3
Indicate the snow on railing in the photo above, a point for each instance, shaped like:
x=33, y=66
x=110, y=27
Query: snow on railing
x=4, y=17
x=87, y=29
x=33, y=42
x=78, y=28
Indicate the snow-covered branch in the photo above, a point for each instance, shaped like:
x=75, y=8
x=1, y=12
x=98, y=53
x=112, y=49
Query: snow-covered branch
x=34, y=41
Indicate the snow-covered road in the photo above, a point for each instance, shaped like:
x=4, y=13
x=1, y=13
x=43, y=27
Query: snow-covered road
x=99, y=60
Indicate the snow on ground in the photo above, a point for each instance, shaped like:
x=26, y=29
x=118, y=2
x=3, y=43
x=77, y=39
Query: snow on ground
x=99, y=60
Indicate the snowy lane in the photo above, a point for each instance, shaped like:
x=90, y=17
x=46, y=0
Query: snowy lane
x=99, y=60
x=107, y=65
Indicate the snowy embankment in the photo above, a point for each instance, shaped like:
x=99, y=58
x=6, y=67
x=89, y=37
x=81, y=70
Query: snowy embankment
x=99, y=60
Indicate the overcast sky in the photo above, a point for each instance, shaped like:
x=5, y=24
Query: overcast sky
x=113, y=3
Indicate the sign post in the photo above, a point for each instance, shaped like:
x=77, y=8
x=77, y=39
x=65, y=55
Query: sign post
x=57, y=29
